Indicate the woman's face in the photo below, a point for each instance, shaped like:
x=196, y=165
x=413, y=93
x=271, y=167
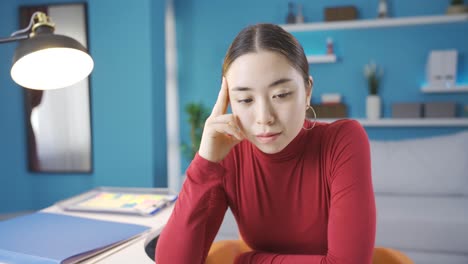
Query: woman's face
x=269, y=97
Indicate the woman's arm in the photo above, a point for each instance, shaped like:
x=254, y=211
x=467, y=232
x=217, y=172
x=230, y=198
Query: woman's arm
x=199, y=211
x=197, y=215
x=351, y=223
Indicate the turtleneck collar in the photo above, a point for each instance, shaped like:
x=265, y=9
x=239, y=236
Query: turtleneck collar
x=291, y=151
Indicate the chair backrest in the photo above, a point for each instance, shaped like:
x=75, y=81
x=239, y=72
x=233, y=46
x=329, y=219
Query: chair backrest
x=243, y=246
x=381, y=255
x=389, y=256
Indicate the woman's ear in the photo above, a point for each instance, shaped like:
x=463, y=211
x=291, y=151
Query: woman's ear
x=309, y=89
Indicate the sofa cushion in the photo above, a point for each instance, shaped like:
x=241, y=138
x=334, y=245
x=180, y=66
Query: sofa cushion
x=435, y=224
x=436, y=165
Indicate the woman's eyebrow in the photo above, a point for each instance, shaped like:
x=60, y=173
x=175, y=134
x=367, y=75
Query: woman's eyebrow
x=280, y=81
x=275, y=83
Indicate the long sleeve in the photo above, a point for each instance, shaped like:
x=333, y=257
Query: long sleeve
x=351, y=224
x=197, y=215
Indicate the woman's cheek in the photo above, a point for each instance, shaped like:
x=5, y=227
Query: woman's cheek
x=242, y=117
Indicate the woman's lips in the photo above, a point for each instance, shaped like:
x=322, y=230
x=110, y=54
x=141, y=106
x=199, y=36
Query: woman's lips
x=267, y=137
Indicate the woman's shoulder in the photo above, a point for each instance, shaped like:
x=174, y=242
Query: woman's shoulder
x=341, y=131
x=339, y=126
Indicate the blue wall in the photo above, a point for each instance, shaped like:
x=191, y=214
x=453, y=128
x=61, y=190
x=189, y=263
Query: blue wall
x=206, y=28
x=128, y=83
x=126, y=40
x=14, y=183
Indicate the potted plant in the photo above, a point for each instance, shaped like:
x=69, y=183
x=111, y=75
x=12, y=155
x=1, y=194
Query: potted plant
x=373, y=75
x=456, y=7
x=197, y=115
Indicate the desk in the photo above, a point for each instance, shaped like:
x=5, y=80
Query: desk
x=132, y=251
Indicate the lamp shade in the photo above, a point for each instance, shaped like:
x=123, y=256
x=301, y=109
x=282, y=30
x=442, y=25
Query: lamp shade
x=49, y=61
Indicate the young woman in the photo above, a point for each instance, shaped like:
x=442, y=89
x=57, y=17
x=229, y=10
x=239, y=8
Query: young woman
x=300, y=191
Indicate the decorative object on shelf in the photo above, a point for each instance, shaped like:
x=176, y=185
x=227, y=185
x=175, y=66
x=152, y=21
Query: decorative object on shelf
x=383, y=9
x=457, y=7
x=373, y=107
x=197, y=115
x=290, y=17
x=337, y=110
x=373, y=75
x=327, y=58
x=407, y=110
x=441, y=69
x=331, y=98
x=340, y=13
x=439, y=109
x=330, y=49
x=300, y=15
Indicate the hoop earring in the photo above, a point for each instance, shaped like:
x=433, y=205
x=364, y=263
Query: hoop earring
x=315, y=117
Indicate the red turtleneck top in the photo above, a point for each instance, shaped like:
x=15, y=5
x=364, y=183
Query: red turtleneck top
x=312, y=202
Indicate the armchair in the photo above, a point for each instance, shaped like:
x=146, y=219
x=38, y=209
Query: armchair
x=225, y=252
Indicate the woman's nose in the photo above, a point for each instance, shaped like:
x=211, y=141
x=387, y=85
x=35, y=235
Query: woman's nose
x=265, y=114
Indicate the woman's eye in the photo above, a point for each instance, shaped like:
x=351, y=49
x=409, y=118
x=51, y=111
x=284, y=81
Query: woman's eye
x=244, y=101
x=283, y=95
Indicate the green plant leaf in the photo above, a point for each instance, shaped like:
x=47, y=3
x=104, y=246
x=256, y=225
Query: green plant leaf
x=197, y=115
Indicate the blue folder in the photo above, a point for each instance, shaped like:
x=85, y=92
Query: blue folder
x=45, y=238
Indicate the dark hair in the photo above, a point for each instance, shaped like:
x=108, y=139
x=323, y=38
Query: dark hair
x=272, y=38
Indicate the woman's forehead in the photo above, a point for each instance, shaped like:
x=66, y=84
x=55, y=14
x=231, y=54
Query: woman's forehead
x=260, y=69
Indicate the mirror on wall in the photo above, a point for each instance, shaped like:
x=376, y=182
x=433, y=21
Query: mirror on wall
x=58, y=122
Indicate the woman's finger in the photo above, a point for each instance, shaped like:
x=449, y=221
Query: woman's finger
x=229, y=119
x=221, y=104
x=222, y=119
x=238, y=124
x=228, y=129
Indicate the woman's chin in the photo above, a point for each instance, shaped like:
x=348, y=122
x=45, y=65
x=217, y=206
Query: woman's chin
x=270, y=148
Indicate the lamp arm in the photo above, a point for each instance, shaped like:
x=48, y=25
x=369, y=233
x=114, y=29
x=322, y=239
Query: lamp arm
x=37, y=19
x=28, y=28
x=15, y=38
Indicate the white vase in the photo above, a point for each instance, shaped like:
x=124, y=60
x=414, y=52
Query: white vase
x=373, y=107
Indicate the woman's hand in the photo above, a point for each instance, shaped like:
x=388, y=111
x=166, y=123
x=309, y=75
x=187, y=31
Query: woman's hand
x=221, y=131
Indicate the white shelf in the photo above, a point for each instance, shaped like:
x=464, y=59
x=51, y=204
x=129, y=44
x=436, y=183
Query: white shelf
x=410, y=122
x=326, y=58
x=456, y=89
x=372, y=23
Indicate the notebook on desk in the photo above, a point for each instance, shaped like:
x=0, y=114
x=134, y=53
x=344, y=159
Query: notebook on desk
x=46, y=238
x=121, y=200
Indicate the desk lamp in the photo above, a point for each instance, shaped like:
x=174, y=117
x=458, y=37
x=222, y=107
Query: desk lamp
x=44, y=60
